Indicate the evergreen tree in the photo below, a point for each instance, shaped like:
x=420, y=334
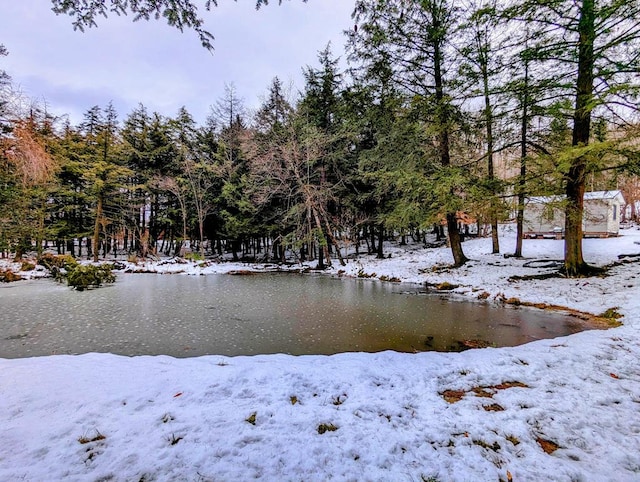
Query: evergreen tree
x=483, y=66
x=386, y=142
x=322, y=108
x=228, y=120
x=271, y=122
x=276, y=110
x=28, y=178
x=196, y=174
x=105, y=173
x=589, y=41
x=71, y=199
x=150, y=154
x=283, y=168
x=416, y=37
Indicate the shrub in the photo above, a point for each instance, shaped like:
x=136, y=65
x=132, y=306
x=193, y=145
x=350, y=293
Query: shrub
x=193, y=256
x=611, y=314
x=51, y=261
x=27, y=266
x=58, y=265
x=90, y=276
x=326, y=427
x=8, y=276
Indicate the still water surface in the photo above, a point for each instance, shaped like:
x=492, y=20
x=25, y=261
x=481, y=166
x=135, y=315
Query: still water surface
x=182, y=316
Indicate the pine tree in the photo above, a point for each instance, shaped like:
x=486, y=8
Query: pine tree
x=274, y=113
x=321, y=108
x=387, y=148
x=590, y=43
x=28, y=179
x=482, y=46
x=196, y=173
x=416, y=36
x=105, y=174
x=68, y=200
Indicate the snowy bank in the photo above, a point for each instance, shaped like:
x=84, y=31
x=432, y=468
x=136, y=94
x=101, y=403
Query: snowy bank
x=561, y=409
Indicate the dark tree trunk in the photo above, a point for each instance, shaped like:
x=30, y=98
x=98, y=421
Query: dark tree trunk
x=153, y=223
x=380, y=251
x=437, y=229
x=443, y=141
x=456, y=240
x=574, y=264
x=235, y=247
x=71, y=247
x=320, y=264
x=488, y=118
x=96, y=230
x=372, y=233
x=89, y=251
x=323, y=247
x=332, y=241
x=524, y=134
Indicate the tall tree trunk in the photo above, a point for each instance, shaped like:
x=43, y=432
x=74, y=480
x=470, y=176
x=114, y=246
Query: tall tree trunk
x=372, y=234
x=153, y=223
x=443, y=145
x=574, y=264
x=201, y=232
x=334, y=242
x=89, y=242
x=524, y=133
x=105, y=245
x=455, y=239
x=71, y=247
x=40, y=239
x=488, y=119
x=96, y=230
x=322, y=248
x=380, y=251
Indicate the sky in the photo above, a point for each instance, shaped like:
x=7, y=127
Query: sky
x=154, y=64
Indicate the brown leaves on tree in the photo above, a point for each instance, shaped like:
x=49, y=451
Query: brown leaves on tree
x=25, y=149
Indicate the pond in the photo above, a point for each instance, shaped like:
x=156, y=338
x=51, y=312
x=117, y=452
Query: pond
x=183, y=316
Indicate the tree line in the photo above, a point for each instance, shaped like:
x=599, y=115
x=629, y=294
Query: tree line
x=445, y=108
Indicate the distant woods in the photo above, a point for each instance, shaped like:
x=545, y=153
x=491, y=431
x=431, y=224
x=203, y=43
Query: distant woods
x=448, y=113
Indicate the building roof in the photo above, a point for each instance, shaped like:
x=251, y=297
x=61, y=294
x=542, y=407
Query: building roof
x=602, y=194
x=588, y=196
x=545, y=199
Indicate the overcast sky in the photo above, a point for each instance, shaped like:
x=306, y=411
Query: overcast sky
x=154, y=64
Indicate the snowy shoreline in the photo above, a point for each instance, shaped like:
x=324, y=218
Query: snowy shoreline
x=478, y=415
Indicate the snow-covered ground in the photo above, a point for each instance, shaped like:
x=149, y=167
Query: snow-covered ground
x=566, y=409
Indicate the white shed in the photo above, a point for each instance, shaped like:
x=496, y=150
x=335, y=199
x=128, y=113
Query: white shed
x=544, y=216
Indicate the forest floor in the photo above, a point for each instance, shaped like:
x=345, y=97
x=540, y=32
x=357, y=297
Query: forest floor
x=563, y=409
